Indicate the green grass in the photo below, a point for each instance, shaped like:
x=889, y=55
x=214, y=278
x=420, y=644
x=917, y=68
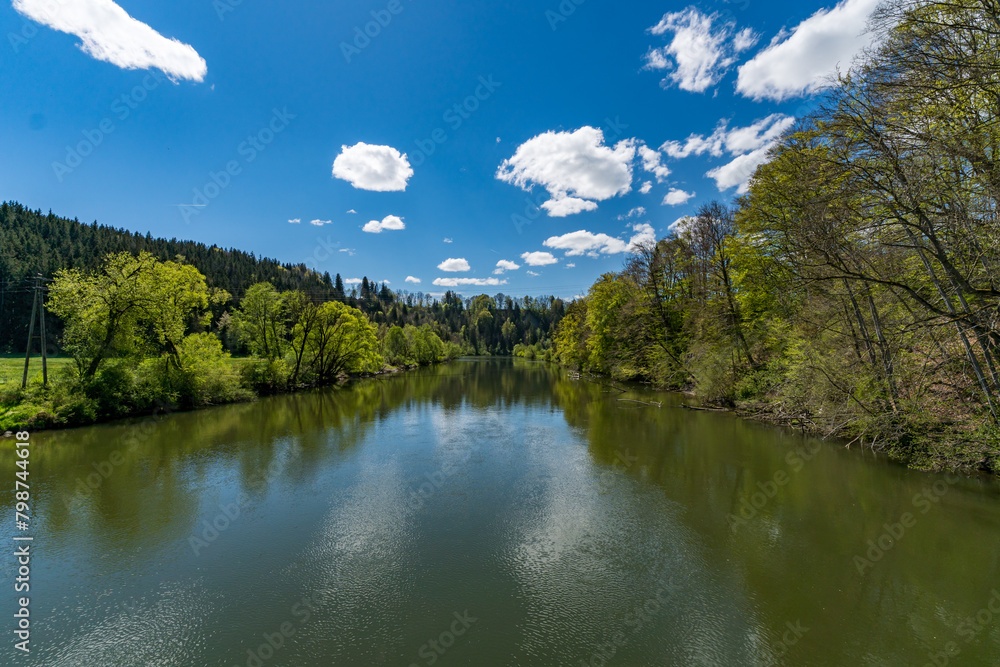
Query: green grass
x=12, y=368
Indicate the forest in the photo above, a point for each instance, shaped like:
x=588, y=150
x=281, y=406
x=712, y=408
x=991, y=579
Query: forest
x=152, y=324
x=33, y=243
x=854, y=290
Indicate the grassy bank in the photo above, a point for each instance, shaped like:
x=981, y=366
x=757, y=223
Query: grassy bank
x=69, y=402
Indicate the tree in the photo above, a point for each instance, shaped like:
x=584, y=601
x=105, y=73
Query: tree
x=133, y=305
x=394, y=346
x=343, y=341
x=262, y=321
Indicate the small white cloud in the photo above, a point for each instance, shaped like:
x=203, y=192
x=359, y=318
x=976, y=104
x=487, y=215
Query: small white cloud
x=505, y=265
x=749, y=144
x=532, y=273
x=651, y=163
x=389, y=223
x=571, y=265
x=806, y=59
x=109, y=34
x=447, y=240
x=349, y=251
x=454, y=264
x=733, y=141
x=295, y=221
x=576, y=169
x=411, y=279
x=352, y=211
x=353, y=281
x=739, y=171
x=646, y=187
x=563, y=206
x=636, y=212
x=745, y=39
x=582, y=241
x=700, y=51
x=676, y=197
x=538, y=258
x=644, y=235
x=477, y=282
x=376, y=168
x=320, y=223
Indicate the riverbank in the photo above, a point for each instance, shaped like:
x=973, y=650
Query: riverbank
x=67, y=403
x=927, y=442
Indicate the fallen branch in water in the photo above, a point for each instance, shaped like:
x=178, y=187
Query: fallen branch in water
x=695, y=407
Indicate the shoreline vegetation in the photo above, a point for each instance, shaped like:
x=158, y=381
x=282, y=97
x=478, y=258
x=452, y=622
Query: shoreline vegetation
x=853, y=289
x=146, y=336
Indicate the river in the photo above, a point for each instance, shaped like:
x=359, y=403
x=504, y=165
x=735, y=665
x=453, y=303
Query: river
x=493, y=512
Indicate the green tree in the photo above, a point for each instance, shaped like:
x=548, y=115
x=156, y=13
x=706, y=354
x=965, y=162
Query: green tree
x=344, y=341
x=394, y=346
x=262, y=321
x=133, y=305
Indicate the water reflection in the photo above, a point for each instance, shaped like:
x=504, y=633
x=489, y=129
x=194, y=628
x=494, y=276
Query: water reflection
x=572, y=525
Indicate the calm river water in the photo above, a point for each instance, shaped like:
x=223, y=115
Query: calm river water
x=492, y=513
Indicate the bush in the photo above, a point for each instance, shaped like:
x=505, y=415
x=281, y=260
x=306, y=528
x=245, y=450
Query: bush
x=264, y=376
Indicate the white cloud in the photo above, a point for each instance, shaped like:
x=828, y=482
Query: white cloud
x=452, y=264
x=646, y=187
x=651, y=163
x=636, y=212
x=563, y=206
x=744, y=39
x=368, y=167
x=349, y=251
x=699, y=53
x=505, y=265
x=576, y=169
x=389, y=223
x=644, y=235
x=353, y=281
x=295, y=221
x=411, y=279
x=532, y=273
x=739, y=171
x=477, y=282
x=805, y=60
x=736, y=140
x=676, y=197
x=538, y=258
x=749, y=144
x=352, y=211
x=320, y=223
x=109, y=34
x=571, y=265
x=447, y=240
x=762, y=133
x=582, y=241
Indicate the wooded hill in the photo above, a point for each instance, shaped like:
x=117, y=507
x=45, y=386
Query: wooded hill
x=35, y=243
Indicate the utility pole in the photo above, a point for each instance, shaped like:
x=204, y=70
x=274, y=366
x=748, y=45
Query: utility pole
x=31, y=334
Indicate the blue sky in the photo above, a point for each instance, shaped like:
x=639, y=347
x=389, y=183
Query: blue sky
x=521, y=147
